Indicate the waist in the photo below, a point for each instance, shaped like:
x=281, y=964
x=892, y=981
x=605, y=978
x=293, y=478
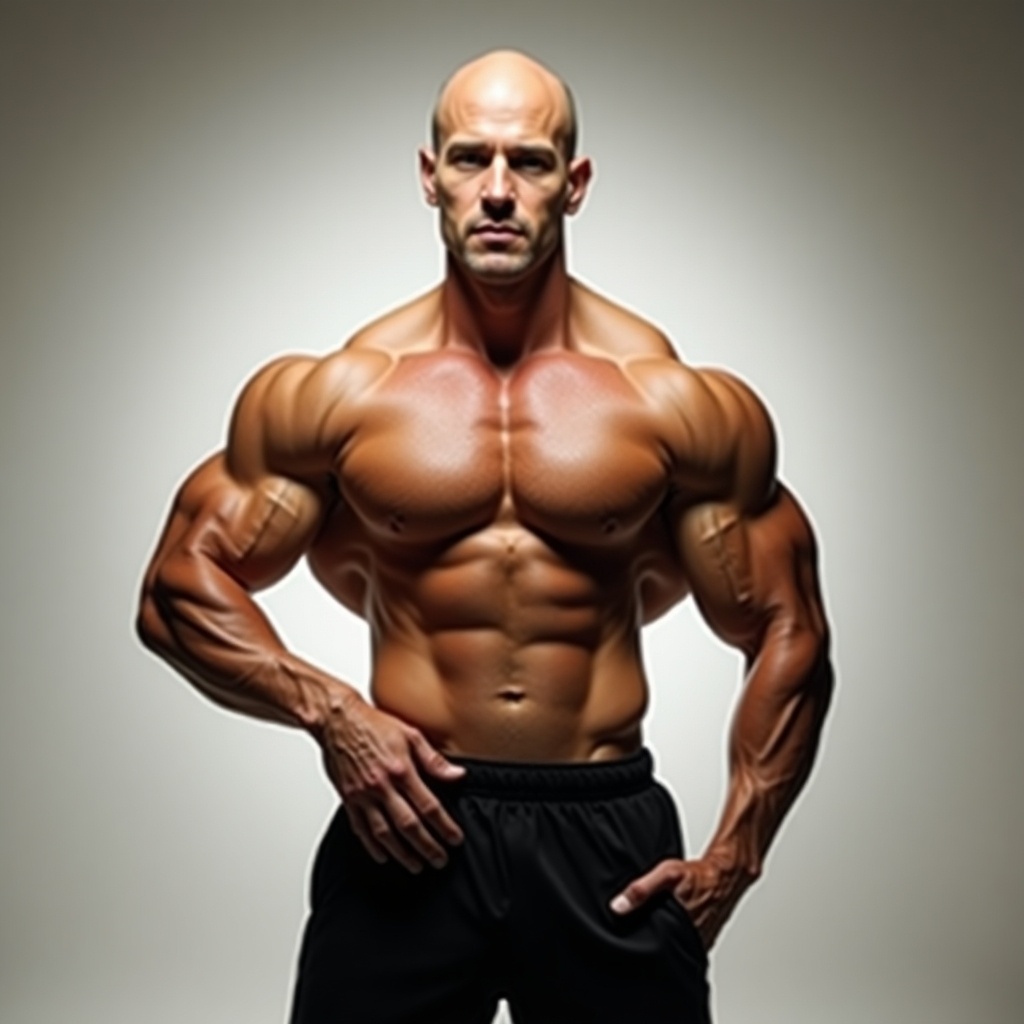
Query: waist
x=554, y=780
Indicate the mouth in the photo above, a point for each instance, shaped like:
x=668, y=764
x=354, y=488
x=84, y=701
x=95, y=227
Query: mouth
x=499, y=232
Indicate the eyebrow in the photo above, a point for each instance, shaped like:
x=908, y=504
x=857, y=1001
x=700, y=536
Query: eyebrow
x=534, y=149
x=544, y=150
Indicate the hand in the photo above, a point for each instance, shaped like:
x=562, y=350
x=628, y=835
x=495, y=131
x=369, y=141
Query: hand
x=708, y=888
x=373, y=759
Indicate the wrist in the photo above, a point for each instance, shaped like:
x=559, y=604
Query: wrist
x=734, y=860
x=322, y=701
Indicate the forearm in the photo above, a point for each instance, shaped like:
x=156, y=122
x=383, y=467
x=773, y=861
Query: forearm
x=773, y=744
x=205, y=624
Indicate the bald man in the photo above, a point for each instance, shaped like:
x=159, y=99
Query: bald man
x=506, y=478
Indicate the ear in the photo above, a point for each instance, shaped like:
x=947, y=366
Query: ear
x=428, y=175
x=581, y=170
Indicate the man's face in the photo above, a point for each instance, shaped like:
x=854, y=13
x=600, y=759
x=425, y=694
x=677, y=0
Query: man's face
x=501, y=181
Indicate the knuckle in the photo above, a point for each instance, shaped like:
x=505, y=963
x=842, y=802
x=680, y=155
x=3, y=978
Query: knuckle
x=432, y=809
x=377, y=780
x=636, y=892
x=667, y=872
x=354, y=788
x=421, y=836
x=407, y=821
x=394, y=768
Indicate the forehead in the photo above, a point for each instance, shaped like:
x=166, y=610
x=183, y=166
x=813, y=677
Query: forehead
x=504, y=105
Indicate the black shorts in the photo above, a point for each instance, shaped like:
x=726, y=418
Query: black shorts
x=520, y=912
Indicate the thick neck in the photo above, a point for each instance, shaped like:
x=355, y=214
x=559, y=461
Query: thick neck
x=506, y=322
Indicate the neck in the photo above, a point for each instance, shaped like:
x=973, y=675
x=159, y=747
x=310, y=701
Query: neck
x=506, y=322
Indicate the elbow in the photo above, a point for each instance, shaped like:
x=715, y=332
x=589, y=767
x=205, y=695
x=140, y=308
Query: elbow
x=144, y=630
x=147, y=622
x=157, y=614
x=151, y=627
x=822, y=679
x=817, y=657
x=805, y=648
x=819, y=676
x=822, y=671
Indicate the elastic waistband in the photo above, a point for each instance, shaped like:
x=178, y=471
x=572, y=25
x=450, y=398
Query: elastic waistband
x=565, y=780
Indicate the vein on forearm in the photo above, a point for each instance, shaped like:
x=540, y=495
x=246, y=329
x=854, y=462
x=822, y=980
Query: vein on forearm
x=774, y=738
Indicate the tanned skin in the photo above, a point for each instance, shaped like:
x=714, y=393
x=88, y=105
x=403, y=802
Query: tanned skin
x=506, y=479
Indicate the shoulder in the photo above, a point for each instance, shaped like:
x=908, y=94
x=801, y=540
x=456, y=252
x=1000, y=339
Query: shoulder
x=748, y=442
x=297, y=406
x=293, y=388
x=711, y=413
x=293, y=412
x=717, y=431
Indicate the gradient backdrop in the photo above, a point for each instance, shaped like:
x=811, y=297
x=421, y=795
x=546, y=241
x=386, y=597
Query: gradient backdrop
x=825, y=197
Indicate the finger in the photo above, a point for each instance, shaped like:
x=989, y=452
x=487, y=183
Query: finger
x=411, y=828
x=361, y=829
x=433, y=760
x=432, y=811
x=383, y=834
x=663, y=875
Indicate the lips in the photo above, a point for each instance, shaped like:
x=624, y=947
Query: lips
x=497, y=231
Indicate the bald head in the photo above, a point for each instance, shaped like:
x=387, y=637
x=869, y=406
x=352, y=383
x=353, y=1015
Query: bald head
x=507, y=82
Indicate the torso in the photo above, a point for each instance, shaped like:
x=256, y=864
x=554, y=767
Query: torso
x=504, y=535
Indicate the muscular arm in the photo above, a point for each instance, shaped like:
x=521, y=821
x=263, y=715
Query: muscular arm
x=757, y=587
x=240, y=522
x=749, y=554
x=196, y=610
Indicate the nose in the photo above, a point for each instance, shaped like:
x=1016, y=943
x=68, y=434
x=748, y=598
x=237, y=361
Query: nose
x=498, y=198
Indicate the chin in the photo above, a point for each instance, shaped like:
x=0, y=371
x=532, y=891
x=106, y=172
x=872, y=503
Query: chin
x=495, y=269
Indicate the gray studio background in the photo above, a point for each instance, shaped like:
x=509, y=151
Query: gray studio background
x=825, y=197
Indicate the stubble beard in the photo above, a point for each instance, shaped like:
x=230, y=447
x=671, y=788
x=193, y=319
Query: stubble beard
x=496, y=267
x=504, y=266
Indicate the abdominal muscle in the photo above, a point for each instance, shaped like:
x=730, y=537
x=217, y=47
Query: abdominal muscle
x=501, y=649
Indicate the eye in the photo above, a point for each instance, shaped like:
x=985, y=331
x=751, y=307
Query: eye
x=468, y=161
x=532, y=163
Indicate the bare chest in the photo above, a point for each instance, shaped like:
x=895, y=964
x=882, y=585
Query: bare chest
x=566, y=445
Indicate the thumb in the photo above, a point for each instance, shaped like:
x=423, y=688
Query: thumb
x=432, y=760
x=640, y=890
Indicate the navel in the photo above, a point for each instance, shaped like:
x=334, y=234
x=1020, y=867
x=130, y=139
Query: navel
x=511, y=696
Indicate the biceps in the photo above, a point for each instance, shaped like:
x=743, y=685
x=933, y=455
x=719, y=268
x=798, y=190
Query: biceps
x=715, y=546
x=752, y=573
x=255, y=531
